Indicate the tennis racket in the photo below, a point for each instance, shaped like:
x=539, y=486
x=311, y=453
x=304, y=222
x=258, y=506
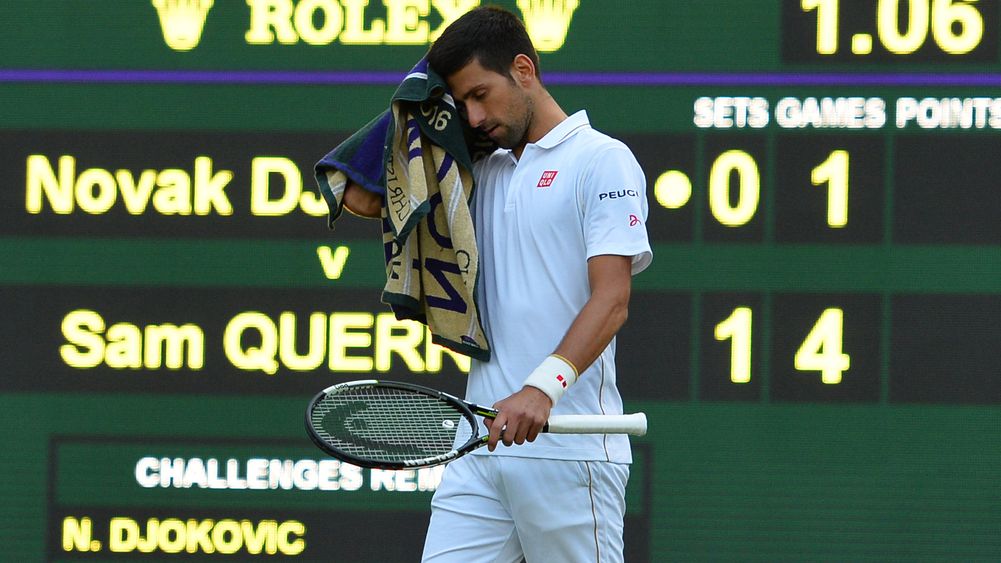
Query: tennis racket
x=392, y=425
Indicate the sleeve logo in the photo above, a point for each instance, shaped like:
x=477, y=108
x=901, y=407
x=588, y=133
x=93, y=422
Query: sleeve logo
x=618, y=194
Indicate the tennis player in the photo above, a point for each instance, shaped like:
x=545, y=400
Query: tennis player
x=560, y=213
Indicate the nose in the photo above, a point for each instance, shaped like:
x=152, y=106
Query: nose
x=475, y=114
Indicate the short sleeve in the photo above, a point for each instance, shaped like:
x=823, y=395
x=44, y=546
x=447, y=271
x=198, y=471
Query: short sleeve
x=614, y=207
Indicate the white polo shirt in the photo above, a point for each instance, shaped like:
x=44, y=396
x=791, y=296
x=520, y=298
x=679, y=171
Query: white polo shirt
x=574, y=194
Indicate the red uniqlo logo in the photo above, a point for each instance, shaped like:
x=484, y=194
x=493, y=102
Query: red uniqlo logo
x=547, y=178
x=561, y=380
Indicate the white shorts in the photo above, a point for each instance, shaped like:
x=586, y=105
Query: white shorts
x=500, y=509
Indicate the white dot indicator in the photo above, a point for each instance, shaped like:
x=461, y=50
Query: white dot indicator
x=861, y=44
x=672, y=189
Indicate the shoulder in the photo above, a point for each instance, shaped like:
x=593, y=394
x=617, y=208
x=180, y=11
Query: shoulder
x=593, y=146
x=489, y=162
x=598, y=155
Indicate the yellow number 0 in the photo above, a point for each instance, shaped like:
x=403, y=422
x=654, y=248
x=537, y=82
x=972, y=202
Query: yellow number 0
x=748, y=190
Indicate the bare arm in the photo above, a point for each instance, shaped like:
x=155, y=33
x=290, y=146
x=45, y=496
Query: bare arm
x=603, y=314
x=362, y=202
x=525, y=412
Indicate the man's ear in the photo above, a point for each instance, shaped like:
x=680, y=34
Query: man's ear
x=523, y=69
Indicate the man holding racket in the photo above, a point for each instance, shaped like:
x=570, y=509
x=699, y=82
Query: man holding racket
x=559, y=212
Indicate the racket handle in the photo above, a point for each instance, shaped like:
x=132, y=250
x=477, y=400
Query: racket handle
x=634, y=424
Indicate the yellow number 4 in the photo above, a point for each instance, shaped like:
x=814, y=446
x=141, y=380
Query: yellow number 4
x=821, y=350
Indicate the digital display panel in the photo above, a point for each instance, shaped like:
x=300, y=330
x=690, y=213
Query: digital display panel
x=814, y=343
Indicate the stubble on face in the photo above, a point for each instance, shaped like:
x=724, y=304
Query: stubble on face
x=518, y=120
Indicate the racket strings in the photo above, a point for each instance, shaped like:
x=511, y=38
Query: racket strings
x=390, y=424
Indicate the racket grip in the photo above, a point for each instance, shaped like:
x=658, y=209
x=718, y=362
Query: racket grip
x=634, y=424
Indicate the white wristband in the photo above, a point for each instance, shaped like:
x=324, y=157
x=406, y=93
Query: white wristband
x=553, y=377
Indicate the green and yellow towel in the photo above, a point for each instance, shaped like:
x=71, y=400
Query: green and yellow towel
x=419, y=154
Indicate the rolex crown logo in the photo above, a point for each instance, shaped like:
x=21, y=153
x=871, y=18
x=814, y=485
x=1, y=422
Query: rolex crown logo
x=182, y=21
x=547, y=21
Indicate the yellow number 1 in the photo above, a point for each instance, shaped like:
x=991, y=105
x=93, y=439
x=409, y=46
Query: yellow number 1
x=827, y=24
x=822, y=349
x=834, y=173
x=738, y=327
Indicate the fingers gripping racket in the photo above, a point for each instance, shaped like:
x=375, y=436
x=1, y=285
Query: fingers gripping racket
x=392, y=425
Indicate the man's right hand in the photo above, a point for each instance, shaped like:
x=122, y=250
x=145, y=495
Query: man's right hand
x=362, y=202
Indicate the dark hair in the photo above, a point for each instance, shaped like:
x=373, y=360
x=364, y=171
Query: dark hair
x=489, y=34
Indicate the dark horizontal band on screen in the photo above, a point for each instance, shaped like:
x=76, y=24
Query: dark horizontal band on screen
x=556, y=78
x=741, y=345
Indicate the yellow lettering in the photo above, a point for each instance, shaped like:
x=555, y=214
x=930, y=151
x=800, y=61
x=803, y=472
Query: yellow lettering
x=333, y=21
x=433, y=352
x=209, y=188
x=260, y=357
x=401, y=337
x=333, y=262
x=104, y=198
x=172, y=340
x=317, y=340
x=136, y=195
x=321, y=22
x=77, y=533
x=198, y=538
x=342, y=338
x=266, y=15
x=148, y=544
x=41, y=178
x=354, y=25
x=123, y=535
x=174, y=194
x=227, y=537
x=263, y=537
x=287, y=529
x=403, y=21
x=172, y=537
x=85, y=348
x=312, y=204
x=124, y=346
x=95, y=190
x=260, y=190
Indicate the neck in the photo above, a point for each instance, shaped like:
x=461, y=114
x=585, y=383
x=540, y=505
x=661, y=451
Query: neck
x=548, y=114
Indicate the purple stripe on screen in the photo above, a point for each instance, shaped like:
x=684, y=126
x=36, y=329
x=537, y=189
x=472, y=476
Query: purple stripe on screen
x=266, y=77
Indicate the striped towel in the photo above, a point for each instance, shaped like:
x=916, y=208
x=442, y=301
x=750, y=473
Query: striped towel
x=419, y=154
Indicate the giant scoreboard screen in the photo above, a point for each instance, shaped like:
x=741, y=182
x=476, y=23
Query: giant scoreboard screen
x=816, y=343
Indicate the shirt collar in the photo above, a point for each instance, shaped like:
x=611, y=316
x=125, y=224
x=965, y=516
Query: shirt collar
x=564, y=130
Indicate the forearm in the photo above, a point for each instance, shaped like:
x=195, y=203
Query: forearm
x=362, y=202
x=592, y=330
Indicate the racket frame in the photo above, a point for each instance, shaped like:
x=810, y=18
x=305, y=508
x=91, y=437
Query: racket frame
x=468, y=410
x=633, y=424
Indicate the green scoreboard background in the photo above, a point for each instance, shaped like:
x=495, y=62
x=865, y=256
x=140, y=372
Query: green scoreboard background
x=816, y=343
